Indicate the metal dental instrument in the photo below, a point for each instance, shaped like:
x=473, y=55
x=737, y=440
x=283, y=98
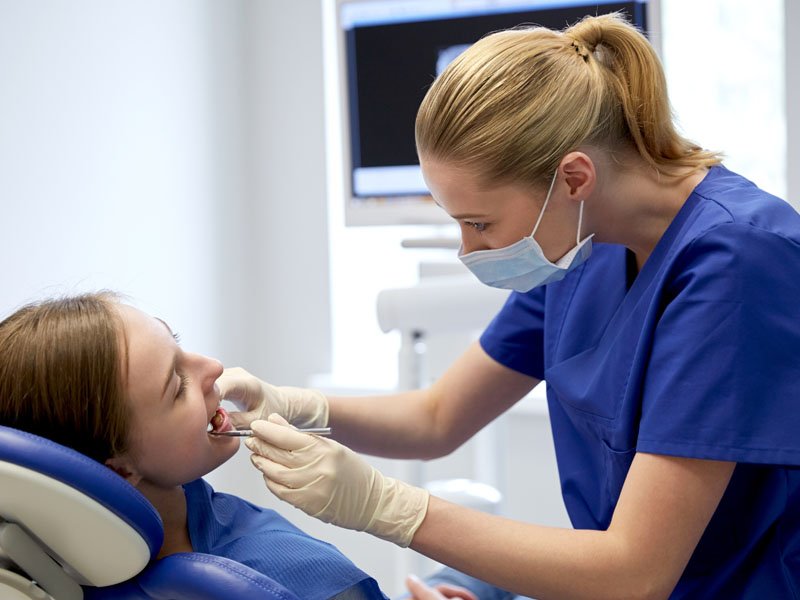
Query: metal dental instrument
x=249, y=432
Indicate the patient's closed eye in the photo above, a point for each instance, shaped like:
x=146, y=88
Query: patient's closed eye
x=182, y=387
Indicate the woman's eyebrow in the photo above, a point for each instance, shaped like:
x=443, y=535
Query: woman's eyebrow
x=463, y=216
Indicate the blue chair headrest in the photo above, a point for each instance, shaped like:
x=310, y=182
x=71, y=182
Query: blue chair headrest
x=105, y=533
x=77, y=507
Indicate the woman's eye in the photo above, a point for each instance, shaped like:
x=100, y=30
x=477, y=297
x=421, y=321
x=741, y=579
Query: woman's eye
x=476, y=226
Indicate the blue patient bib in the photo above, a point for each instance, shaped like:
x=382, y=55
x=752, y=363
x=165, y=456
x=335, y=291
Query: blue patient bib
x=225, y=525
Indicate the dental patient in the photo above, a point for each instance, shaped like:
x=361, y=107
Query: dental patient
x=112, y=382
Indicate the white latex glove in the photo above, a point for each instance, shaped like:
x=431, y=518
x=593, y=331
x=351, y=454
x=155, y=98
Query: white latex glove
x=258, y=399
x=329, y=481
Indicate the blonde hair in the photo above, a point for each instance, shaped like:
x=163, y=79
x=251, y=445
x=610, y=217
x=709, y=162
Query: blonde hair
x=514, y=103
x=61, y=373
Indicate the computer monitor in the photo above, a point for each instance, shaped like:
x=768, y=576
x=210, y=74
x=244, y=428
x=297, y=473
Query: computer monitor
x=389, y=53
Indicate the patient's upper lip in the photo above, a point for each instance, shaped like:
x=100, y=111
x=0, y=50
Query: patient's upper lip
x=216, y=408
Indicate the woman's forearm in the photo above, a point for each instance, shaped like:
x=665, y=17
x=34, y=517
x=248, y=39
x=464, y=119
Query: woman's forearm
x=663, y=509
x=431, y=422
x=537, y=561
x=395, y=426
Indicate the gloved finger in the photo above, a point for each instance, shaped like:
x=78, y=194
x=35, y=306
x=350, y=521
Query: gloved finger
x=279, y=433
x=287, y=458
x=300, y=496
x=286, y=477
x=236, y=385
x=294, y=497
x=273, y=453
x=278, y=489
x=242, y=420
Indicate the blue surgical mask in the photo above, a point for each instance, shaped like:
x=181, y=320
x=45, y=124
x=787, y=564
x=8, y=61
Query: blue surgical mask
x=523, y=266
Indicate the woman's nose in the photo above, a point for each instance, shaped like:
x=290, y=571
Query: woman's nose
x=212, y=369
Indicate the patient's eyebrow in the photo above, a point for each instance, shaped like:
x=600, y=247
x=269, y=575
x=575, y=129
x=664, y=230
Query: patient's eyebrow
x=174, y=365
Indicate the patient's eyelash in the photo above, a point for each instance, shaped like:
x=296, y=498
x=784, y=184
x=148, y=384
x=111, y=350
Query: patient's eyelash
x=182, y=387
x=177, y=337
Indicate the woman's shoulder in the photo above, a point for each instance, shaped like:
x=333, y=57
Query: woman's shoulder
x=725, y=198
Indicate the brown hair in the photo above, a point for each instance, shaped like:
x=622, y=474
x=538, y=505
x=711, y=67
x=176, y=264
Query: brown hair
x=514, y=103
x=61, y=373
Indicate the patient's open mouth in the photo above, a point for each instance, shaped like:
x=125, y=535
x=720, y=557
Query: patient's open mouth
x=220, y=421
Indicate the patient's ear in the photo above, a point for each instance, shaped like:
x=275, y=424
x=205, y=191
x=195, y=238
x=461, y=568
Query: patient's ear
x=123, y=467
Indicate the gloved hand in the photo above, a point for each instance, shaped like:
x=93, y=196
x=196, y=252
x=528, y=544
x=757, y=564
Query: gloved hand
x=258, y=399
x=334, y=484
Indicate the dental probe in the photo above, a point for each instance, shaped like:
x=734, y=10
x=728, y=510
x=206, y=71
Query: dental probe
x=249, y=432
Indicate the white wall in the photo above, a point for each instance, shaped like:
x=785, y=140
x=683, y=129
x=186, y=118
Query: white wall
x=112, y=154
x=172, y=151
x=286, y=283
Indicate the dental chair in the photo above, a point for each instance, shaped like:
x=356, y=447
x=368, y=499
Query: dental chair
x=70, y=528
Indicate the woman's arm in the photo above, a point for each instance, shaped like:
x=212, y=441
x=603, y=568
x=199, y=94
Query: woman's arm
x=663, y=509
x=431, y=422
x=665, y=505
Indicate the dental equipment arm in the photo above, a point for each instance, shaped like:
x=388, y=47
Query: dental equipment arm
x=258, y=399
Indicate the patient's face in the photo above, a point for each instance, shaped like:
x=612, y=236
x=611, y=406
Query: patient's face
x=173, y=396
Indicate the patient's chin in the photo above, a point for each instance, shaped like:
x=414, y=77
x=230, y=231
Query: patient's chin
x=225, y=448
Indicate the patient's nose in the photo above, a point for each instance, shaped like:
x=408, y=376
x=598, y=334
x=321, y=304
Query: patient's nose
x=212, y=369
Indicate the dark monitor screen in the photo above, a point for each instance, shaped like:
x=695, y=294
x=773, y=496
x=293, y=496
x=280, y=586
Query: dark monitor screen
x=393, y=49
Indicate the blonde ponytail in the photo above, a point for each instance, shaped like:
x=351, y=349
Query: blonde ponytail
x=515, y=102
x=636, y=79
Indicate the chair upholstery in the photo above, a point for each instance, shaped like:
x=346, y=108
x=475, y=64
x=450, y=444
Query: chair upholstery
x=73, y=522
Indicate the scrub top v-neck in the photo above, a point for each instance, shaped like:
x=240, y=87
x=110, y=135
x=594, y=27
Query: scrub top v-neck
x=698, y=356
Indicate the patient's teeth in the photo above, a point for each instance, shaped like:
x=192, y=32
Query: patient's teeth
x=216, y=421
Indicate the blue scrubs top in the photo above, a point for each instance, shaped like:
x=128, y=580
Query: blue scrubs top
x=696, y=356
x=225, y=525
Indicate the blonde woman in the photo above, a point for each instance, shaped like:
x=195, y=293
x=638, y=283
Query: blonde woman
x=657, y=294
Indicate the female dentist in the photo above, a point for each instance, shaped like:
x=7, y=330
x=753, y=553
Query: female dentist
x=656, y=292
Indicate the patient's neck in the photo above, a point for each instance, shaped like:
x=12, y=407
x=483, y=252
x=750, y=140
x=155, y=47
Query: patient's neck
x=171, y=505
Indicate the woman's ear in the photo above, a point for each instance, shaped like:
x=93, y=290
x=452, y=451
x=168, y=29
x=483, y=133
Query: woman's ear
x=579, y=174
x=123, y=467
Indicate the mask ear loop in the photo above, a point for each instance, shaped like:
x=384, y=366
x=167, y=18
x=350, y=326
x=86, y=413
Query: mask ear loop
x=544, y=206
x=580, y=224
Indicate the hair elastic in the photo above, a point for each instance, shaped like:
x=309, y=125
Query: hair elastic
x=581, y=50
